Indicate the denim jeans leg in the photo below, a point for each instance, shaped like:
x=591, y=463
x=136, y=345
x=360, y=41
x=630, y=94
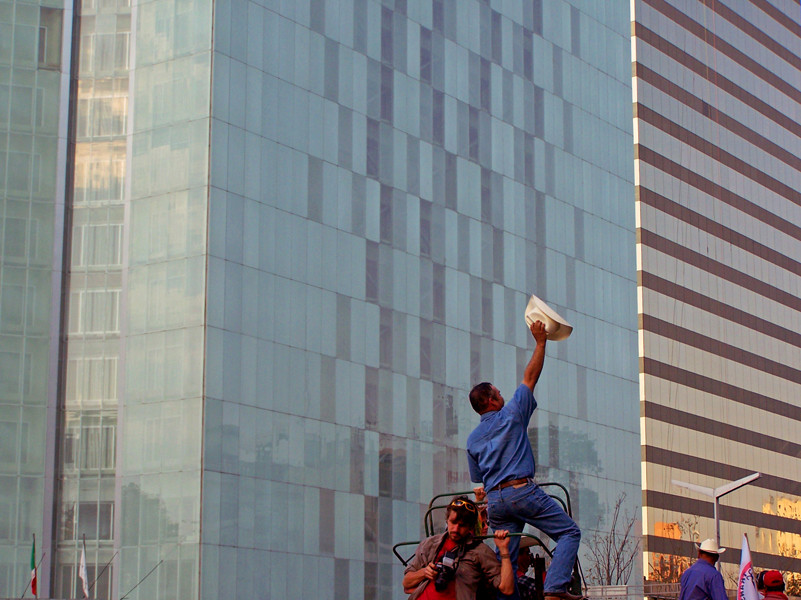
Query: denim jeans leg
x=502, y=516
x=549, y=517
x=514, y=506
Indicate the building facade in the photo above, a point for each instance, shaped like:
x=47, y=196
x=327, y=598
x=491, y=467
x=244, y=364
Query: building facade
x=289, y=237
x=34, y=87
x=717, y=105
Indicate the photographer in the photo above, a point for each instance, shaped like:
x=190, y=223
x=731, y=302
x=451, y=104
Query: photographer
x=453, y=565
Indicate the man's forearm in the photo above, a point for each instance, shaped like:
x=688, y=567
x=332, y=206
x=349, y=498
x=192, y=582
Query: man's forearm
x=534, y=367
x=507, y=585
x=412, y=579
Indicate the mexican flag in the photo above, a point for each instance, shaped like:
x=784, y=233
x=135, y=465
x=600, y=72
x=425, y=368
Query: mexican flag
x=33, y=568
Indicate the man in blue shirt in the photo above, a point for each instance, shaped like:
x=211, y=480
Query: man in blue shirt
x=499, y=456
x=703, y=581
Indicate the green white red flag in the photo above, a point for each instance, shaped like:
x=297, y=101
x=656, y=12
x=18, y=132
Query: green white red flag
x=34, y=591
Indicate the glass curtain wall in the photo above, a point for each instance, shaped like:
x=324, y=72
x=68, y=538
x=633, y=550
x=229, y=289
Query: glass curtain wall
x=30, y=84
x=389, y=182
x=94, y=281
x=159, y=482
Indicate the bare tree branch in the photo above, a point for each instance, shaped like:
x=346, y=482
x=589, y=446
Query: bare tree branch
x=613, y=554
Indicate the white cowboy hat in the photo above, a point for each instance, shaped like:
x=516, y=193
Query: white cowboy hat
x=556, y=327
x=709, y=546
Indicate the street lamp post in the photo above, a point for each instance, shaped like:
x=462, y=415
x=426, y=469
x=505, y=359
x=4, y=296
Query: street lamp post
x=717, y=493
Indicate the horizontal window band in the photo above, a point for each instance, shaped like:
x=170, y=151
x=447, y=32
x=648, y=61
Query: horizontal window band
x=716, y=268
x=719, y=348
x=720, y=118
x=721, y=429
x=722, y=46
x=777, y=15
x=714, y=307
x=728, y=513
x=700, y=382
x=715, y=228
x=757, y=34
x=687, y=549
x=725, y=472
x=716, y=153
x=647, y=36
x=715, y=190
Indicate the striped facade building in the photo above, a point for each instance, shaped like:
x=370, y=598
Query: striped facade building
x=717, y=133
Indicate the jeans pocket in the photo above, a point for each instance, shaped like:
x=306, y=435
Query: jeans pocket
x=521, y=494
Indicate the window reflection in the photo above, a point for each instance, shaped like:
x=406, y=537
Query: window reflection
x=97, y=245
x=88, y=457
x=91, y=446
x=50, y=27
x=99, y=173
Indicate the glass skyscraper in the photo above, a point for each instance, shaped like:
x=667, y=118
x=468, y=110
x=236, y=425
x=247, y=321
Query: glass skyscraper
x=279, y=243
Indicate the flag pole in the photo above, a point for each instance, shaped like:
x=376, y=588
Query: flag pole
x=141, y=580
x=94, y=581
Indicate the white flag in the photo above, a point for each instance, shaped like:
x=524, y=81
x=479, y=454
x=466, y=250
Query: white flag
x=746, y=586
x=85, y=579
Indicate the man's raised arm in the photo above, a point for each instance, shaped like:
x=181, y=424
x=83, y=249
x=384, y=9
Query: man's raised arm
x=534, y=366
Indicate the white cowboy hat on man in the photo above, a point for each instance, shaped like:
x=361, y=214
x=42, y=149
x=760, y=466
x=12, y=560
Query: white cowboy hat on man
x=556, y=327
x=710, y=547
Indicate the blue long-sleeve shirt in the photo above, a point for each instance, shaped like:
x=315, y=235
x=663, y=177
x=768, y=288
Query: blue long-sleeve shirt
x=702, y=581
x=498, y=448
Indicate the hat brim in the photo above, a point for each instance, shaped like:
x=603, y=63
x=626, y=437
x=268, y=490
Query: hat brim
x=556, y=327
x=710, y=550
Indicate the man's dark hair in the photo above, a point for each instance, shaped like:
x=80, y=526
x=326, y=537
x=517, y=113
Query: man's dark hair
x=465, y=509
x=480, y=396
x=711, y=555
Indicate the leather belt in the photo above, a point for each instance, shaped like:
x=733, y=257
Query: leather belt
x=510, y=482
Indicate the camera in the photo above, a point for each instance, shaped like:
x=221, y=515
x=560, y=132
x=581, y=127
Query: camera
x=446, y=570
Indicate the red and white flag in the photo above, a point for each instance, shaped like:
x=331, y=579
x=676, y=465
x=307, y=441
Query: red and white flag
x=746, y=585
x=34, y=591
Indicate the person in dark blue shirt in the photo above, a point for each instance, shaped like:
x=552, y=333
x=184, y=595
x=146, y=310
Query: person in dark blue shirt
x=499, y=456
x=703, y=581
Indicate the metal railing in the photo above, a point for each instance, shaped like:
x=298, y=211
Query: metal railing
x=428, y=525
x=619, y=592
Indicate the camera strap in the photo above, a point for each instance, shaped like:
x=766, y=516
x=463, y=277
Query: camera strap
x=461, y=550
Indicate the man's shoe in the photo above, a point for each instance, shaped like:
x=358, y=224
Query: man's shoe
x=562, y=596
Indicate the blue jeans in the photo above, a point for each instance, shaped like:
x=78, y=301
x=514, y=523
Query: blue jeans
x=512, y=507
